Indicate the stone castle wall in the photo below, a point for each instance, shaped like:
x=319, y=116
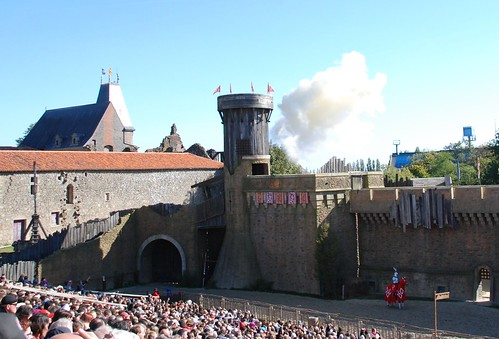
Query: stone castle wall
x=115, y=254
x=433, y=259
x=96, y=194
x=284, y=240
x=285, y=213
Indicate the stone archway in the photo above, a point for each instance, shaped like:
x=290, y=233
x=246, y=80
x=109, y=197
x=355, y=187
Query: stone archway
x=482, y=284
x=160, y=258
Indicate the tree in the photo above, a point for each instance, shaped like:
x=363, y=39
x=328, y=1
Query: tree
x=456, y=161
x=369, y=166
x=392, y=173
x=280, y=163
x=362, y=167
x=489, y=161
x=26, y=132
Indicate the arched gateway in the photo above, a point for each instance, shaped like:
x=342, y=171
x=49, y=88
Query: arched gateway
x=160, y=258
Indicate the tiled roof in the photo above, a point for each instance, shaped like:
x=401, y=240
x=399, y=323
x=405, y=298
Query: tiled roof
x=47, y=161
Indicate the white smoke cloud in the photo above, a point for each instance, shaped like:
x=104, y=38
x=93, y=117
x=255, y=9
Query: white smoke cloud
x=324, y=115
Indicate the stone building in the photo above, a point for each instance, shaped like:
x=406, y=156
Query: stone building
x=103, y=126
x=74, y=187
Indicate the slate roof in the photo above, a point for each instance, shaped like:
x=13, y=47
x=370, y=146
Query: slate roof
x=82, y=120
x=48, y=161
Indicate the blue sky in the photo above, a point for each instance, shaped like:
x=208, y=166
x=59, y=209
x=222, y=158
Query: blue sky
x=350, y=77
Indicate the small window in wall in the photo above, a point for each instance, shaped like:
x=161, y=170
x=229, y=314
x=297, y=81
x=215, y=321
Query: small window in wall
x=108, y=196
x=69, y=194
x=74, y=139
x=58, y=140
x=54, y=218
x=108, y=148
x=19, y=229
x=259, y=169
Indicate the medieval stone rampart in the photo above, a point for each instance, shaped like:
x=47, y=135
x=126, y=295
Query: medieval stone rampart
x=462, y=238
x=95, y=195
x=116, y=254
x=285, y=213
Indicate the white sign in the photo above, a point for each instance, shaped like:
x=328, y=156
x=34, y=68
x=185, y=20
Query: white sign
x=442, y=296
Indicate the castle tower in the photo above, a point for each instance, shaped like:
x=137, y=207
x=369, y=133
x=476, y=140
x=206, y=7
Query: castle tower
x=111, y=92
x=246, y=152
x=246, y=131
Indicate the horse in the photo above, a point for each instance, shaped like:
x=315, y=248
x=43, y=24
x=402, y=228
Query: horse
x=395, y=293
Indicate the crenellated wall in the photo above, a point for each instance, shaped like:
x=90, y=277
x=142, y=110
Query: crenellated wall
x=285, y=213
x=460, y=236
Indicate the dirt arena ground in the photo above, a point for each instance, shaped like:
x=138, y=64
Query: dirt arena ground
x=473, y=320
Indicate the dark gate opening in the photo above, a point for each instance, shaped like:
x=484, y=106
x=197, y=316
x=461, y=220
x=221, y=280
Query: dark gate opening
x=165, y=261
x=211, y=243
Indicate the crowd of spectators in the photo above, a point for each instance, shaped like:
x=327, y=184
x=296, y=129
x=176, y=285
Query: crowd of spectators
x=41, y=312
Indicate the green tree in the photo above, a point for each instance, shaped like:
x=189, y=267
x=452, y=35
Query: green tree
x=489, y=161
x=280, y=163
x=458, y=160
x=26, y=132
x=464, y=156
x=369, y=166
x=391, y=173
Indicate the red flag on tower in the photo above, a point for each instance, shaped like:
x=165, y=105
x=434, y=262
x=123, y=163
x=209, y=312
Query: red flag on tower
x=269, y=88
x=252, y=89
x=217, y=90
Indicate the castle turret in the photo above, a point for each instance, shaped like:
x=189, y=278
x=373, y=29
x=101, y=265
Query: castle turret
x=246, y=132
x=246, y=152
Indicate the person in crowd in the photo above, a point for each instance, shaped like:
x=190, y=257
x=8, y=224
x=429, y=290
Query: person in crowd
x=23, y=314
x=9, y=303
x=39, y=325
x=156, y=294
x=140, y=330
x=21, y=278
x=81, y=285
x=68, y=286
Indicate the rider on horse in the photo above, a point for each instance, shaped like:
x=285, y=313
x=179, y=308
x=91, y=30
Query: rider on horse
x=395, y=292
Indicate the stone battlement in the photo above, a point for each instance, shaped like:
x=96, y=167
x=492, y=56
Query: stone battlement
x=321, y=182
x=465, y=199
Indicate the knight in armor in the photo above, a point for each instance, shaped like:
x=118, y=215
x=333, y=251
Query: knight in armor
x=395, y=278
